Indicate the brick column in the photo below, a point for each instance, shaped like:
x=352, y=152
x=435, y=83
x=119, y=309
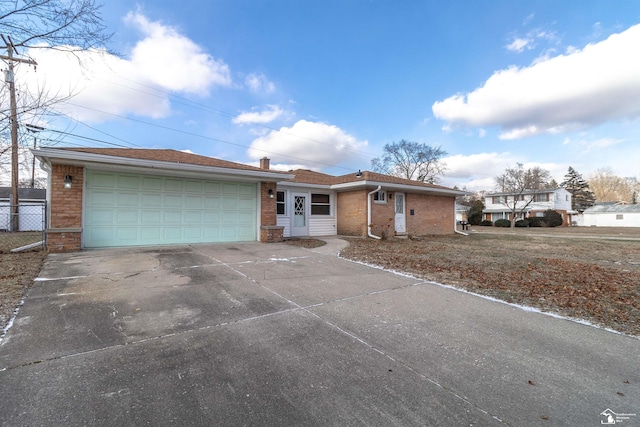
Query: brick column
x=64, y=233
x=270, y=232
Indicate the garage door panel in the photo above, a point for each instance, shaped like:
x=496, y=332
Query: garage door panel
x=129, y=209
x=128, y=182
x=127, y=199
x=152, y=183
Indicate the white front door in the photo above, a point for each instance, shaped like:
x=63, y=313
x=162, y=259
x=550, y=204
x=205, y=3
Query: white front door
x=400, y=219
x=300, y=218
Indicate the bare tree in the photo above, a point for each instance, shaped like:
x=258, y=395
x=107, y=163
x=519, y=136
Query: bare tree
x=68, y=25
x=514, y=183
x=411, y=160
x=608, y=187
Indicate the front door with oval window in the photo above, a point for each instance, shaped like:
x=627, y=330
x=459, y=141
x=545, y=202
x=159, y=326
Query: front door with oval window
x=400, y=218
x=299, y=220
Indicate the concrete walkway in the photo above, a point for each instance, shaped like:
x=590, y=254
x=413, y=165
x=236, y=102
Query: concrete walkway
x=253, y=334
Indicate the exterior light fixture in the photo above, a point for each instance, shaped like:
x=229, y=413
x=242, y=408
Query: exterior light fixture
x=271, y=195
x=359, y=174
x=67, y=181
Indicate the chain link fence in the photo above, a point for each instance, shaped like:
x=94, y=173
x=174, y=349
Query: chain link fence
x=22, y=227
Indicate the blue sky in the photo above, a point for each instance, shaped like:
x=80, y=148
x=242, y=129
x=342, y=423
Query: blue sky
x=325, y=84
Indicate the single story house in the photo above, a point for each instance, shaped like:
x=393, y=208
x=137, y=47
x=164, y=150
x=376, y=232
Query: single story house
x=361, y=204
x=614, y=214
x=31, y=209
x=109, y=197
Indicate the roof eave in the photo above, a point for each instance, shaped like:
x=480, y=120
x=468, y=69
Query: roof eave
x=353, y=185
x=78, y=158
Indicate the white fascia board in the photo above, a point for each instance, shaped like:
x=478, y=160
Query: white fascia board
x=101, y=161
x=386, y=186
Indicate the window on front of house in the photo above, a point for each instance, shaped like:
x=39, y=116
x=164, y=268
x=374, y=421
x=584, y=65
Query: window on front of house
x=619, y=216
x=280, y=203
x=380, y=197
x=320, y=204
x=542, y=197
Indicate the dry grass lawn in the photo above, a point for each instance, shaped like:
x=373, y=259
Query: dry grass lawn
x=585, y=273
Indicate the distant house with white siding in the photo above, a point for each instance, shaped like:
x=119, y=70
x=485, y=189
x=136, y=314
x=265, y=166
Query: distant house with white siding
x=615, y=214
x=529, y=203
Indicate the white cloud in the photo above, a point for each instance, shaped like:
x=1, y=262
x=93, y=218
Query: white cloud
x=586, y=145
x=265, y=116
x=284, y=167
x=585, y=88
x=519, y=44
x=258, y=83
x=313, y=144
x=134, y=84
x=191, y=69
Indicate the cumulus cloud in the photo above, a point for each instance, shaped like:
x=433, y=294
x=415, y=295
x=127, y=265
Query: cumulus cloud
x=136, y=83
x=258, y=83
x=581, y=89
x=313, y=144
x=271, y=113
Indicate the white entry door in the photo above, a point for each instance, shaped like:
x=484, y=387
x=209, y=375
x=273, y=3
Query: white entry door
x=400, y=219
x=300, y=219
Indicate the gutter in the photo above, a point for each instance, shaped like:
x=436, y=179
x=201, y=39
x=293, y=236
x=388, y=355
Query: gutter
x=369, y=214
x=85, y=159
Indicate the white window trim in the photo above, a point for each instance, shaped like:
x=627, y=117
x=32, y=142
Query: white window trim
x=384, y=197
x=285, y=203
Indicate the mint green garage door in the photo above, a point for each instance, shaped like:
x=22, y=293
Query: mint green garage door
x=124, y=209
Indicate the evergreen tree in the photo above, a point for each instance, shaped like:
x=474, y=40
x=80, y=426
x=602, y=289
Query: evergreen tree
x=582, y=197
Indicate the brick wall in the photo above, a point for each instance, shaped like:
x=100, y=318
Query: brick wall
x=352, y=213
x=432, y=214
x=383, y=215
x=269, y=231
x=64, y=232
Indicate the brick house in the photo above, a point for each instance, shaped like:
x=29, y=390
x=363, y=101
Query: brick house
x=367, y=203
x=109, y=197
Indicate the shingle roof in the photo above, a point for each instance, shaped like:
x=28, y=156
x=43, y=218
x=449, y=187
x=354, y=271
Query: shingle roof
x=310, y=177
x=24, y=193
x=166, y=155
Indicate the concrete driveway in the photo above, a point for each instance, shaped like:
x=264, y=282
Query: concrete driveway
x=254, y=334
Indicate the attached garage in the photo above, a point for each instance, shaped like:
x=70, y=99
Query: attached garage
x=114, y=197
x=124, y=209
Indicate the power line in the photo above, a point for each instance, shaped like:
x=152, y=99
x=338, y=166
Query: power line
x=200, y=136
x=204, y=107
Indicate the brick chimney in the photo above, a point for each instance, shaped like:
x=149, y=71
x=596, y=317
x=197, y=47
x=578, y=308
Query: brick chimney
x=264, y=163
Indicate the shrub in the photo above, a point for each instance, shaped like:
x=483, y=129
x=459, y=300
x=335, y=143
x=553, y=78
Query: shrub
x=522, y=223
x=553, y=218
x=486, y=223
x=502, y=223
x=536, y=221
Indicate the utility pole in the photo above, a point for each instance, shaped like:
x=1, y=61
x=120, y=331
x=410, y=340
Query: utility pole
x=9, y=78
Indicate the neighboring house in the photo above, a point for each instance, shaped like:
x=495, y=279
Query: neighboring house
x=530, y=202
x=366, y=203
x=461, y=213
x=106, y=197
x=31, y=211
x=614, y=214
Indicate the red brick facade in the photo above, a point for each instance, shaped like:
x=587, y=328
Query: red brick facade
x=64, y=232
x=269, y=231
x=431, y=214
x=352, y=213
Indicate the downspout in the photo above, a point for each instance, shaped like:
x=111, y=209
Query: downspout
x=369, y=214
x=455, y=228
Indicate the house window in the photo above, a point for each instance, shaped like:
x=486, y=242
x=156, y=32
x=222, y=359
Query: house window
x=380, y=197
x=280, y=204
x=619, y=216
x=542, y=197
x=320, y=204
